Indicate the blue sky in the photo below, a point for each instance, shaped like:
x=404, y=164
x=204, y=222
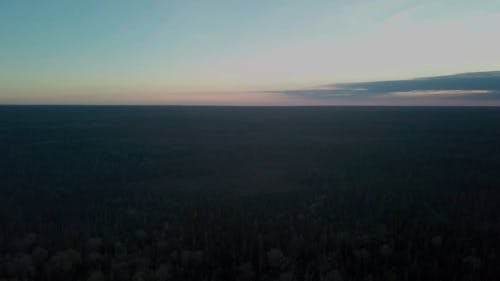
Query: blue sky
x=232, y=52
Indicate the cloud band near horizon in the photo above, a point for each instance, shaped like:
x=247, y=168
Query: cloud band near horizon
x=476, y=86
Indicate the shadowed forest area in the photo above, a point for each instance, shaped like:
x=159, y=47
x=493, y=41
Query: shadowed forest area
x=249, y=193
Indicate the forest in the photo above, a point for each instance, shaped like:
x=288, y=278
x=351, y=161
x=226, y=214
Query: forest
x=157, y=193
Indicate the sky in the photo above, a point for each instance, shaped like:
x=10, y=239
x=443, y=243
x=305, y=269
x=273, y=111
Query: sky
x=259, y=52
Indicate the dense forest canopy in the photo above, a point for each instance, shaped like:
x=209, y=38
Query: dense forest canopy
x=254, y=193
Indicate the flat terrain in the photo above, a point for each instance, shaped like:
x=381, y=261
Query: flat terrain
x=357, y=193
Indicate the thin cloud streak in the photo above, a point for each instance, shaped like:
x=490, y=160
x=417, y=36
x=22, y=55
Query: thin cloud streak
x=434, y=93
x=476, y=87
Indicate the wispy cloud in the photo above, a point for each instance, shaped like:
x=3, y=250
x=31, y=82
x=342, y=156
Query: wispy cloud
x=466, y=86
x=438, y=93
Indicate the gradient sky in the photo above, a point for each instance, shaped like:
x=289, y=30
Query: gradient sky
x=233, y=52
